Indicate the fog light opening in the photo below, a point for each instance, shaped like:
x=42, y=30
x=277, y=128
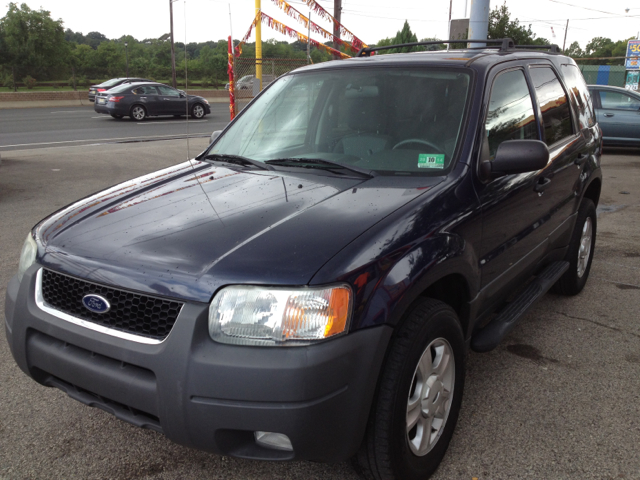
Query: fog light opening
x=275, y=441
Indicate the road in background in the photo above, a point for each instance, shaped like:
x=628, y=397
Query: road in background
x=558, y=399
x=29, y=128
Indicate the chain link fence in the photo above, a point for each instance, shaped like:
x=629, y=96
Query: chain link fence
x=246, y=86
x=613, y=75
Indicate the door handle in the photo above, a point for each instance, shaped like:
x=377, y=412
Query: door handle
x=608, y=114
x=581, y=159
x=543, y=182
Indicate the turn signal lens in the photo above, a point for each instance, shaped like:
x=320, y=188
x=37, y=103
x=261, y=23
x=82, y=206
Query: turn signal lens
x=279, y=316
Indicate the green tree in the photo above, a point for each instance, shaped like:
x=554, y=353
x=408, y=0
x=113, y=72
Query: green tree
x=403, y=36
x=501, y=26
x=32, y=42
x=574, y=50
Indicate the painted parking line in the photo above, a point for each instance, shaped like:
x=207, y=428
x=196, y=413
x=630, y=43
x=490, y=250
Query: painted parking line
x=172, y=121
x=120, y=139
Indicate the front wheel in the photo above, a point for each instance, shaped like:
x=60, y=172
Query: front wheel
x=420, y=392
x=138, y=112
x=580, y=253
x=197, y=111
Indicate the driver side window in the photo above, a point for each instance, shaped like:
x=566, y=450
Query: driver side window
x=510, y=115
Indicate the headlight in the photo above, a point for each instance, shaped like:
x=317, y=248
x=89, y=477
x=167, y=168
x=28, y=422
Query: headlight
x=27, y=256
x=264, y=316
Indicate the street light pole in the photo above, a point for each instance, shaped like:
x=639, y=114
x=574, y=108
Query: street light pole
x=173, y=52
x=126, y=53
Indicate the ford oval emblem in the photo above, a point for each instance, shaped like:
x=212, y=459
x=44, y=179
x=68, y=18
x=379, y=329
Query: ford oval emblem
x=96, y=303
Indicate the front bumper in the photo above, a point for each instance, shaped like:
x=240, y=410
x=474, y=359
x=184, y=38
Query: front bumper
x=203, y=394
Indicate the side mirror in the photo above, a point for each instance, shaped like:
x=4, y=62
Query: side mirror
x=182, y=94
x=215, y=135
x=516, y=156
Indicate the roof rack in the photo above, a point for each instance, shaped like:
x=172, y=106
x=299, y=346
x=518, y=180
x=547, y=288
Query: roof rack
x=502, y=44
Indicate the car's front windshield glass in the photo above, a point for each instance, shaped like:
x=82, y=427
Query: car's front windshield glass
x=110, y=83
x=120, y=88
x=387, y=120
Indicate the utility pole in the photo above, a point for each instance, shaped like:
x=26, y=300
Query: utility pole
x=173, y=52
x=566, y=29
x=309, y=40
x=337, y=13
x=259, y=43
x=479, y=22
x=126, y=53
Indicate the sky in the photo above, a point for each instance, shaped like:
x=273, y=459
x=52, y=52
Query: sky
x=370, y=20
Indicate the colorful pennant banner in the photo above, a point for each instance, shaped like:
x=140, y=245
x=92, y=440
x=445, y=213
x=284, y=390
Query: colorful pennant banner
x=317, y=8
x=282, y=28
x=295, y=14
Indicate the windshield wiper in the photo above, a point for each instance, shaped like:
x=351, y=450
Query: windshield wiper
x=237, y=160
x=319, y=163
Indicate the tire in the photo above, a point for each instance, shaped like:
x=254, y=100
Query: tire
x=391, y=448
x=580, y=253
x=116, y=116
x=197, y=111
x=138, y=113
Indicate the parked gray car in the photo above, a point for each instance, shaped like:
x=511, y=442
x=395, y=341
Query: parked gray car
x=618, y=114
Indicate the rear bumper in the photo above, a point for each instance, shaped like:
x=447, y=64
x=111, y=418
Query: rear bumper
x=203, y=394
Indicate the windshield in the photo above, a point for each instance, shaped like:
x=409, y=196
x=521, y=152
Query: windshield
x=109, y=83
x=391, y=120
x=120, y=88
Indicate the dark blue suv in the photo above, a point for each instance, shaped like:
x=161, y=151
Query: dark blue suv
x=309, y=286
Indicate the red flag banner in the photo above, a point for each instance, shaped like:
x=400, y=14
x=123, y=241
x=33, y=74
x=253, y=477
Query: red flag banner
x=295, y=14
x=232, y=95
x=246, y=37
x=318, y=9
x=282, y=28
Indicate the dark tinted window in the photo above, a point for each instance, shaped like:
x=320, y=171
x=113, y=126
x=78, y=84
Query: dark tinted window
x=510, y=115
x=556, y=113
x=578, y=91
x=619, y=101
x=145, y=90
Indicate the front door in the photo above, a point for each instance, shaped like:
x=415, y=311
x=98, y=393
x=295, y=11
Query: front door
x=512, y=240
x=619, y=116
x=171, y=103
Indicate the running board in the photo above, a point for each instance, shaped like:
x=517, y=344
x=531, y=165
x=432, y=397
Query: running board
x=490, y=336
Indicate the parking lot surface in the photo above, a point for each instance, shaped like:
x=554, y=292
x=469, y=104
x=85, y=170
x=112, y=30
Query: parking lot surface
x=558, y=399
x=71, y=126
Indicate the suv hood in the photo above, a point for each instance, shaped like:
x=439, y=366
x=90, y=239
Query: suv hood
x=188, y=230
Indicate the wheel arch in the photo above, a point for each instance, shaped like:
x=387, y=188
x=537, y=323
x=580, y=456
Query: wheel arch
x=593, y=190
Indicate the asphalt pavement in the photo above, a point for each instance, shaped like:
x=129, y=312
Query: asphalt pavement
x=558, y=399
x=30, y=128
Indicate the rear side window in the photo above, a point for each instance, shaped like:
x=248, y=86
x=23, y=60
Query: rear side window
x=510, y=115
x=618, y=101
x=145, y=90
x=556, y=112
x=580, y=94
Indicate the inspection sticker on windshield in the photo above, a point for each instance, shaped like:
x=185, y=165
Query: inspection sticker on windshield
x=431, y=160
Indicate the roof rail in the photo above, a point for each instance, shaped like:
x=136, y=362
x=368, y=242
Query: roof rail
x=502, y=44
x=553, y=48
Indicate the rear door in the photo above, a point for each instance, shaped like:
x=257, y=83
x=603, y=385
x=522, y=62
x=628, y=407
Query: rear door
x=147, y=95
